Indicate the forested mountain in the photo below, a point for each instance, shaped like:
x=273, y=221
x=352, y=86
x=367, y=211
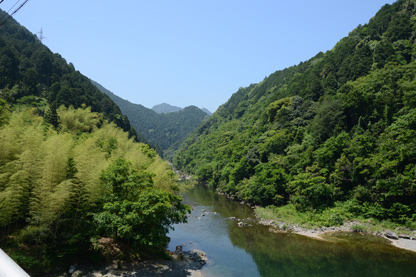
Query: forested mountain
x=165, y=132
x=69, y=174
x=337, y=132
x=29, y=72
x=207, y=111
x=165, y=108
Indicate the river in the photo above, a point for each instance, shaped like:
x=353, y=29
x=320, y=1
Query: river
x=254, y=251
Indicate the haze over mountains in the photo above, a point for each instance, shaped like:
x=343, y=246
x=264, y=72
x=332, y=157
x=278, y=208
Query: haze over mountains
x=166, y=108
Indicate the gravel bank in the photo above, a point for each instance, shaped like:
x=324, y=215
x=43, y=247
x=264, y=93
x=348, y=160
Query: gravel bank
x=407, y=242
x=183, y=263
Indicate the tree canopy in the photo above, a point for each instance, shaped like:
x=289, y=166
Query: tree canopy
x=336, y=130
x=61, y=187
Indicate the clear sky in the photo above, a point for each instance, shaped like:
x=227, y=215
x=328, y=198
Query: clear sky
x=191, y=52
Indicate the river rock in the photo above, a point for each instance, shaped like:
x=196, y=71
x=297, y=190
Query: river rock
x=72, y=269
x=241, y=224
x=233, y=218
x=78, y=273
x=404, y=236
x=391, y=235
x=266, y=222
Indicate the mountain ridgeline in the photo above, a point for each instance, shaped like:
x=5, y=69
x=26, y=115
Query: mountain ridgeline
x=334, y=135
x=165, y=108
x=164, y=131
x=30, y=73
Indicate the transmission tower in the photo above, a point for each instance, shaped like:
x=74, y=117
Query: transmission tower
x=40, y=36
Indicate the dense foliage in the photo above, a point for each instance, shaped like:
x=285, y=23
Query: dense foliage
x=166, y=132
x=62, y=187
x=336, y=130
x=29, y=71
x=71, y=169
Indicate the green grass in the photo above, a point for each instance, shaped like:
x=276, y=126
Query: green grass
x=359, y=228
x=335, y=216
x=308, y=219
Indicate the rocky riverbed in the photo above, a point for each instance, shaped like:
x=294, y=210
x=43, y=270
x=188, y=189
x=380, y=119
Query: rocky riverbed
x=182, y=263
x=398, y=239
x=401, y=240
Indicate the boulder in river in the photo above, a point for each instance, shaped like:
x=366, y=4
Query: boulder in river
x=391, y=235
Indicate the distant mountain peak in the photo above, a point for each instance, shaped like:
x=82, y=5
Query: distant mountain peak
x=208, y=112
x=165, y=108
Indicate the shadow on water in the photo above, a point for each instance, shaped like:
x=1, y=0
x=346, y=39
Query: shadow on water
x=253, y=251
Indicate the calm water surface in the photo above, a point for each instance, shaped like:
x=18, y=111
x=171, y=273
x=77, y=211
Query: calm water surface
x=253, y=251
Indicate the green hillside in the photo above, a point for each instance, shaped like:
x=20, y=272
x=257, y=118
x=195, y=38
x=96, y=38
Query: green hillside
x=335, y=133
x=71, y=169
x=165, y=132
x=61, y=191
x=30, y=72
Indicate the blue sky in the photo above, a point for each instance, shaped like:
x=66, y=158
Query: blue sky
x=190, y=52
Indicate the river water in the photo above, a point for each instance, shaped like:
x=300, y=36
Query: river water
x=254, y=251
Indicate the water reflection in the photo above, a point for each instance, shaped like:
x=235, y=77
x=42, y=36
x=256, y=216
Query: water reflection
x=253, y=251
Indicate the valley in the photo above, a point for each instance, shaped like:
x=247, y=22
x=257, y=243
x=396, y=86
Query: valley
x=303, y=173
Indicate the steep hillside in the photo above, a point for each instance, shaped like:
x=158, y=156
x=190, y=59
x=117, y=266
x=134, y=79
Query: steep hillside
x=336, y=132
x=62, y=190
x=30, y=72
x=69, y=175
x=166, y=132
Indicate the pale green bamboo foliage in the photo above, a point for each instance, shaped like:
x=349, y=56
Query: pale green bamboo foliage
x=49, y=193
x=49, y=177
x=90, y=161
x=10, y=134
x=19, y=142
x=117, y=145
x=164, y=178
x=77, y=121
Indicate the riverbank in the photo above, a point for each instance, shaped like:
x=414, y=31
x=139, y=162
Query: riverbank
x=182, y=263
x=400, y=240
x=404, y=239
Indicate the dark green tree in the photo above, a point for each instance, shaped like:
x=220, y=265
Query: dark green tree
x=134, y=211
